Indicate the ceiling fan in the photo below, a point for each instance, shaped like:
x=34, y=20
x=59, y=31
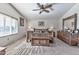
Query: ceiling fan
x=44, y=7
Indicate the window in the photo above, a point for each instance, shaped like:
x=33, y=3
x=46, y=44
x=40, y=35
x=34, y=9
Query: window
x=8, y=25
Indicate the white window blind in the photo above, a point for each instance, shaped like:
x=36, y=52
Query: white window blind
x=8, y=25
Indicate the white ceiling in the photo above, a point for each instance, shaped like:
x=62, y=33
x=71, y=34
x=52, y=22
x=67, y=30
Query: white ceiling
x=59, y=10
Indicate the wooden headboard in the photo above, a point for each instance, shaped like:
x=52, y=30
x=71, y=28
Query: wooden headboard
x=40, y=30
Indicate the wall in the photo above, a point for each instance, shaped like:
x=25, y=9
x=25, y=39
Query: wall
x=48, y=23
x=7, y=9
x=73, y=10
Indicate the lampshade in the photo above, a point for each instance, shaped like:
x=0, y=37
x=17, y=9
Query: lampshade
x=30, y=28
x=65, y=27
x=76, y=31
x=51, y=28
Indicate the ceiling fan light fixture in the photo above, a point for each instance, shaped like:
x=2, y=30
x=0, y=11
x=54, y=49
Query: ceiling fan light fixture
x=44, y=7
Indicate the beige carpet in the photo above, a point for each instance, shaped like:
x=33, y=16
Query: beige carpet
x=57, y=48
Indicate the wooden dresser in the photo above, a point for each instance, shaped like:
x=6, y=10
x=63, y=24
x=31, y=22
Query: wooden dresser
x=68, y=38
x=78, y=39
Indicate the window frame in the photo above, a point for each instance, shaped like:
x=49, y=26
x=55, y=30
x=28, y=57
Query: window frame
x=13, y=18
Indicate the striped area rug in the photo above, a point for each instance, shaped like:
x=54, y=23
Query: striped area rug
x=27, y=49
x=57, y=48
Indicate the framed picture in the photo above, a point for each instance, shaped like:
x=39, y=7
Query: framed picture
x=41, y=23
x=21, y=21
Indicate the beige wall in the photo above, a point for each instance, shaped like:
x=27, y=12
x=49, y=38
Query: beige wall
x=48, y=23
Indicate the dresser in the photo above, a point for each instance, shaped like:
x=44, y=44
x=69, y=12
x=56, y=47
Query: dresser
x=68, y=38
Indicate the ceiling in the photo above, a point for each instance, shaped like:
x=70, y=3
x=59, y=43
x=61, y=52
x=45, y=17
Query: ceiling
x=26, y=9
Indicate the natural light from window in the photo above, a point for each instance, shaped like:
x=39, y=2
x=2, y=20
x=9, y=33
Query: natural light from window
x=8, y=25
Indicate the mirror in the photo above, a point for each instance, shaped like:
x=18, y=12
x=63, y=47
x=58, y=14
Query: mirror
x=70, y=22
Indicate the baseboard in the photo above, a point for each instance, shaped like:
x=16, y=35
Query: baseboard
x=14, y=41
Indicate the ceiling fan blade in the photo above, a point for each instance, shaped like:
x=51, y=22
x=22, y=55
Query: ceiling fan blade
x=53, y=3
x=49, y=5
x=35, y=9
x=46, y=11
x=42, y=6
x=39, y=5
x=40, y=12
x=51, y=9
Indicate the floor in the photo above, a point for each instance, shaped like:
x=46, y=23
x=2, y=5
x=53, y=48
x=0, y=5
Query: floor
x=15, y=44
x=57, y=48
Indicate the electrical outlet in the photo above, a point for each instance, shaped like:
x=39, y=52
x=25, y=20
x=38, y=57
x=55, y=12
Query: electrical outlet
x=8, y=38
